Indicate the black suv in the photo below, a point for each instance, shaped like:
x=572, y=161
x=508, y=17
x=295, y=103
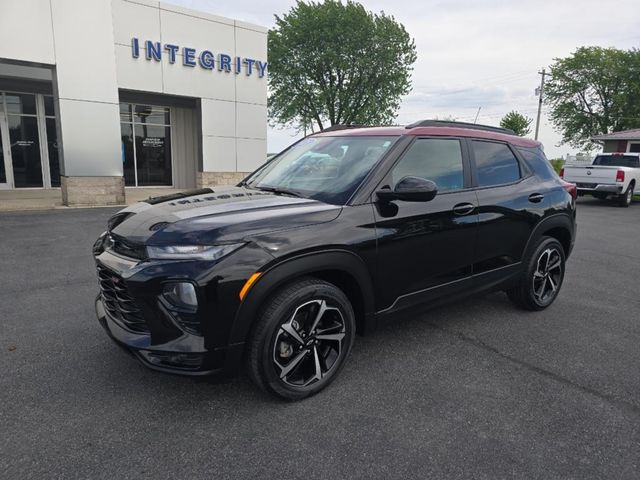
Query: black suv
x=323, y=241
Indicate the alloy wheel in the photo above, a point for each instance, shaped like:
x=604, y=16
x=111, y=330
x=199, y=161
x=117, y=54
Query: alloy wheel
x=547, y=276
x=309, y=344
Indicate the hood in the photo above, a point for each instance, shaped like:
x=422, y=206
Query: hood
x=227, y=214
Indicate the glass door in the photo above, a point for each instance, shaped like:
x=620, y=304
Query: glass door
x=25, y=139
x=146, y=145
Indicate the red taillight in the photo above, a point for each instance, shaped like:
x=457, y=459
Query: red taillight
x=571, y=188
x=620, y=176
x=562, y=172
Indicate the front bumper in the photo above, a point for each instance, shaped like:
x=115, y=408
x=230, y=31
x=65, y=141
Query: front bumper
x=185, y=355
x=133, y=313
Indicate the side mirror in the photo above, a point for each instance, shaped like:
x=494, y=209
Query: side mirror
x=410, y=189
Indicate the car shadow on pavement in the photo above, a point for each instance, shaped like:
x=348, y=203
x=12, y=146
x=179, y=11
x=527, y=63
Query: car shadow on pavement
x=125, y=373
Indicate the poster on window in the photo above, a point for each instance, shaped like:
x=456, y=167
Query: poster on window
x=153, y=142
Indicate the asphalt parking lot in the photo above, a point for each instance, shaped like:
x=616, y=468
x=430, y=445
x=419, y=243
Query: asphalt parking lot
x=474, y=390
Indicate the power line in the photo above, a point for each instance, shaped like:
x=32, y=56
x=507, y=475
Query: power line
x=492, y=115
x=461, y=88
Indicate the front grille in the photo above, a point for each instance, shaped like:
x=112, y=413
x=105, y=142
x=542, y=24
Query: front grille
x=118, y=303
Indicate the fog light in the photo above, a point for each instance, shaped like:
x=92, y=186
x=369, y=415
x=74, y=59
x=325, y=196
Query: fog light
x=181, y=295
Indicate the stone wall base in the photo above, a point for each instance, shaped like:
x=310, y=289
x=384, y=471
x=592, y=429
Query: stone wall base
x=214, y=179
x=92, y=191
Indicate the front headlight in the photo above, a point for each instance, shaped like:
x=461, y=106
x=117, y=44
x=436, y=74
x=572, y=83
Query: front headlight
x=198, y=252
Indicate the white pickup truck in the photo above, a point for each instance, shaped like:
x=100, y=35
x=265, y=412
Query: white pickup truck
x=610, y=174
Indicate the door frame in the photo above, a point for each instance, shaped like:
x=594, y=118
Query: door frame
x=4, y=137
x=42, y=140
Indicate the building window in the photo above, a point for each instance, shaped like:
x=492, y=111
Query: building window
x=634, y=147
x=146, y=145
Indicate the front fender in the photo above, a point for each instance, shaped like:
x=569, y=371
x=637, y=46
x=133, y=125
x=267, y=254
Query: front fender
x=283, y=272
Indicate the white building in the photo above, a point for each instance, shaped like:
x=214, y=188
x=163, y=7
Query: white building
x=96, y=95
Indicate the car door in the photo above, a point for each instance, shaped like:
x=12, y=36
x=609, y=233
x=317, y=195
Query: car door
x=511, y=201
x=425, y=248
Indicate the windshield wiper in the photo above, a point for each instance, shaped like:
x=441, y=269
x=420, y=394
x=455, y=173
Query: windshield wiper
x=278, y=190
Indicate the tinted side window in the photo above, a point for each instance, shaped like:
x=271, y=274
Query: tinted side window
x=436, y=159
x=495, y=163
x=537, y=160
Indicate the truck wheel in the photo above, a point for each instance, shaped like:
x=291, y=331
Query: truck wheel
x=626, y=198
x=301, y=340
x=542, y=276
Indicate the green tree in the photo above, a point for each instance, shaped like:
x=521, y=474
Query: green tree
x=594, y=91
x=336, y=63
x=517, y=122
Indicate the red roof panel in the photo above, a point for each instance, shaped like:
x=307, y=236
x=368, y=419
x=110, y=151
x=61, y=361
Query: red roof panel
x=432, y=131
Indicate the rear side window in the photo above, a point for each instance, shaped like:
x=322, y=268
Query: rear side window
x=630, y=161
x=436, y=159
x=536, y=159
x=495, y=163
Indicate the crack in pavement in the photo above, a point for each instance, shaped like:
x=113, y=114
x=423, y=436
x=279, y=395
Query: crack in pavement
x=617, y=402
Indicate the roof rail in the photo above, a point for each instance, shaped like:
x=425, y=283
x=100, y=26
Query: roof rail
x=454, y=124
x=333, y=128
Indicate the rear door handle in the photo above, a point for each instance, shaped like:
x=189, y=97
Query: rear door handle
x=536, y=197
x=464, y=208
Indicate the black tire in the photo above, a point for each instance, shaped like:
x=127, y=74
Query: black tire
x=626, y=198
x=600, y=195
x=284, y=334
x=539, y=285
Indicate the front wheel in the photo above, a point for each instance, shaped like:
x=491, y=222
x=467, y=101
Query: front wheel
x=542, y=277
x=626, y=198
x=301, y=339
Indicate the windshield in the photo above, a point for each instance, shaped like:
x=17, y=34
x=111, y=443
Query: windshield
x=617, y=161
x=328, y=169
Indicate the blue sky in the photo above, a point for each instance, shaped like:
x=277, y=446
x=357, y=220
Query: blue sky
x=476, y=53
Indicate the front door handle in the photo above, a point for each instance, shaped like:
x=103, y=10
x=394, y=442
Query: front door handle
x=536, y=197
x=464, y=208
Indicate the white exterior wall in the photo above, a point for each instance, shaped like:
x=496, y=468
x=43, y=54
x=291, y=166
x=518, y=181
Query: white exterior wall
x=73, y=36
x=233, y=106
x=86, y=88
x=29, y=40
x=88, y=45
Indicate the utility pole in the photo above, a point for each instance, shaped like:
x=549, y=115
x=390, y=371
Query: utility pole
x=543, y=73
x=477, y=113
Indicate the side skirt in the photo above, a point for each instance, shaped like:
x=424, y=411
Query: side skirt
x=492, y=280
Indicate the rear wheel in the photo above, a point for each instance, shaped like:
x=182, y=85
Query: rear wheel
x=542, y=277
x=626, y=198
x=301, y=339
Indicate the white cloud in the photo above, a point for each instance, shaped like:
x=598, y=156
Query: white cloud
x=476, y=53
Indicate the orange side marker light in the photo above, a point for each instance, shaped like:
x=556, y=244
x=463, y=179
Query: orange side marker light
x=247, y=285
